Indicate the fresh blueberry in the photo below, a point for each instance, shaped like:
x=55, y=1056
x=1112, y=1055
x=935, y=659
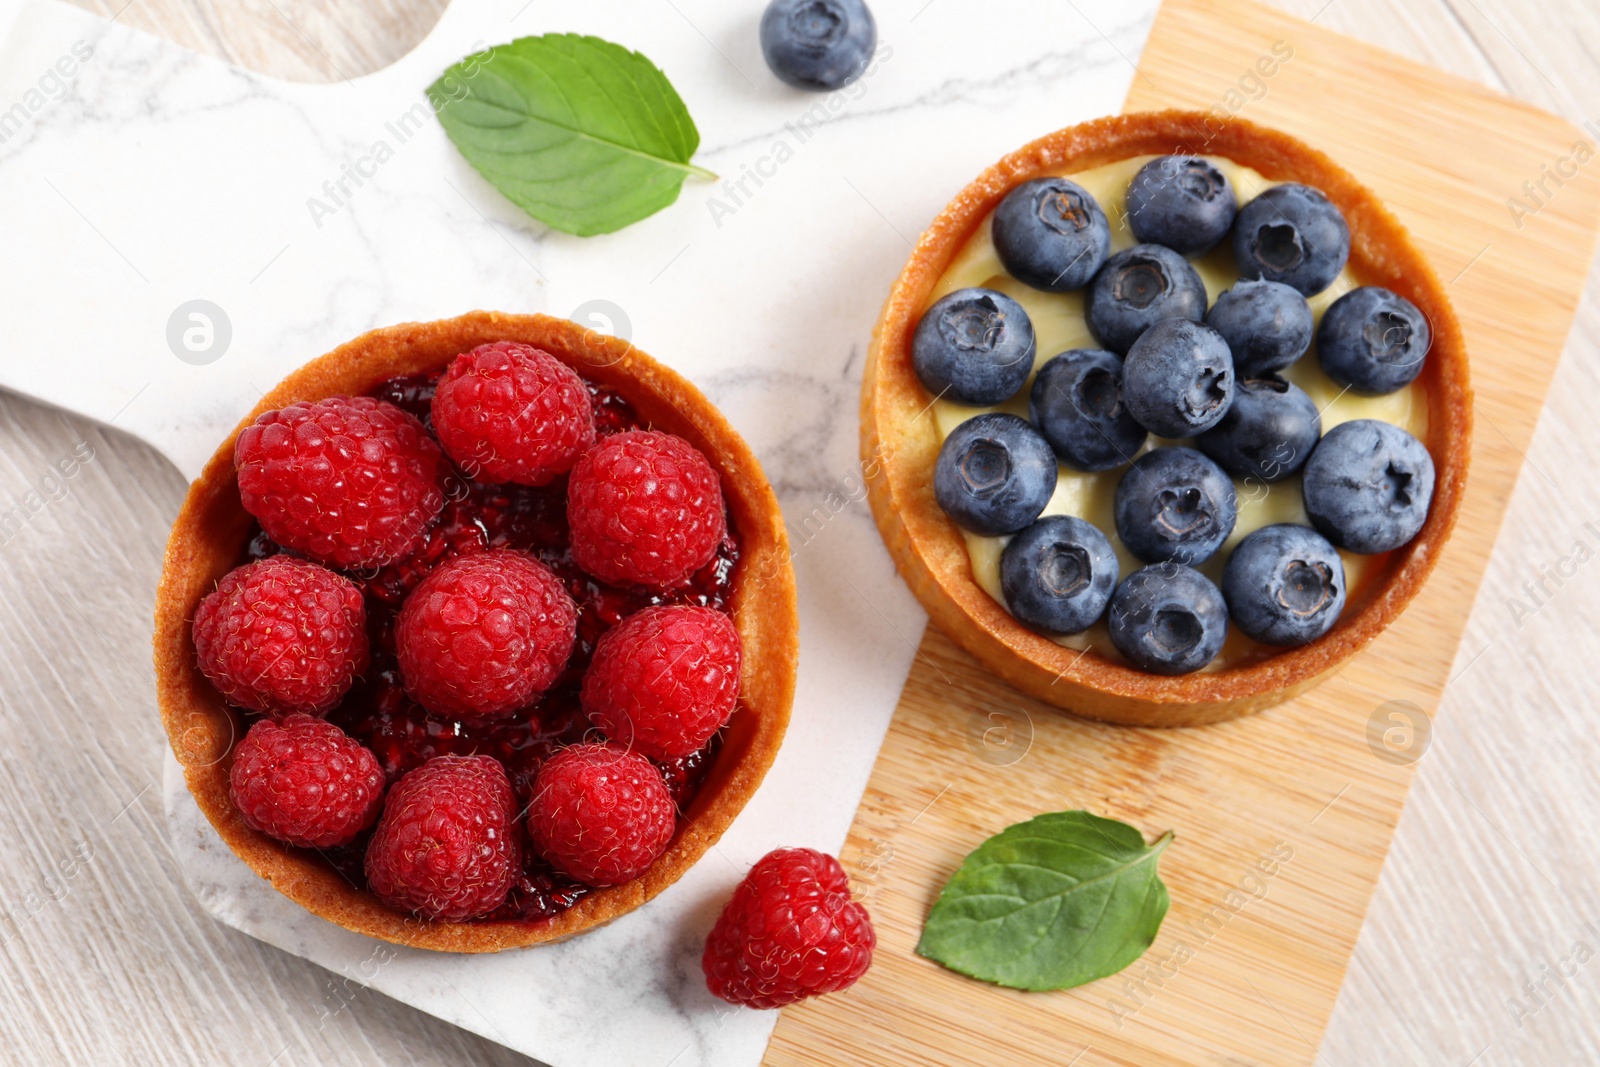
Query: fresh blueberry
x=1373, y=340
x=1182, y=202
x=1168, y=619
x=1284, y=585
x=1174, y=504
x=1267, y=326
x=818, y=44
x=1139, y=287
x=1178, y=378
x=1076, y=401
x=1051, y=234
x=976, y=345
x=995, y=474
x=1292, y=234
x=1267, y=434
x=1058, y=574
x=1368, y=485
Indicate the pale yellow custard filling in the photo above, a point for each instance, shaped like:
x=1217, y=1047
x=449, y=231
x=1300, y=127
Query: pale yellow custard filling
x=1059, y=325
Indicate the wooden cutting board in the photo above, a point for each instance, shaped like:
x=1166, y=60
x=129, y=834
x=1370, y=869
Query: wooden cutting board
x=1282, y=820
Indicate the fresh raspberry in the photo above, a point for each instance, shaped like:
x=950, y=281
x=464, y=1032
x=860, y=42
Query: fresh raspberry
x=645, y=509
x=791, y=931
x=306, y=782
x=600, y=813
x=351, y=481
x=446, y=846
x=484, y=634
x=513, y=413
x=664, y=680
x=282, y=635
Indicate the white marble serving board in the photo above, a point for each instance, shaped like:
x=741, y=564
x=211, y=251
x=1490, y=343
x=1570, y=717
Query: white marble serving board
x=139, y=178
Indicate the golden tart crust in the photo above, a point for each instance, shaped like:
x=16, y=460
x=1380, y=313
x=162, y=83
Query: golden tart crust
x=208, y=539
x=902, y=442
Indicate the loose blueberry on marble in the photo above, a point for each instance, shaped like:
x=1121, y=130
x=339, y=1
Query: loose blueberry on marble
x=1284, y=585
x=1050, y=233
x=1293, y=234
x=818, y=44
x=1076, y=401
x=1182, y=202
x=994, y=475
x=1368, y=485
x=1267, y=325
x=1373, y=340
x=1167, y=619
x=1139, y=287
x=1178, y=378
x=1174, y=504
x=1267, y=434
x=975, y=346
x=1058, y=575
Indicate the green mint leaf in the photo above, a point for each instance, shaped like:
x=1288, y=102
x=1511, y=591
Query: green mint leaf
x=580, y=133
x=1051, y=903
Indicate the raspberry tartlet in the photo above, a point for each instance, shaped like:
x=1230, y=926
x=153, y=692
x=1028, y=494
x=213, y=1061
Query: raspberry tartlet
x=431, y=504
x=1070, y=419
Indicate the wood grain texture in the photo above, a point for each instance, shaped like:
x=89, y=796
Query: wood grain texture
x=300, y=40
x=1283, y=820
x=1490, y=880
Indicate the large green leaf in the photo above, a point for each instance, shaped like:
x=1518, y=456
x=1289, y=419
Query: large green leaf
x=1051, y=903
x=580, y=133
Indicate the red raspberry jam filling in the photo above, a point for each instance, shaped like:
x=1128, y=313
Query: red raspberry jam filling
x=403, y=736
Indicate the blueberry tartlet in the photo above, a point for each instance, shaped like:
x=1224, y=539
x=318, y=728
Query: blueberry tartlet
x=1166, y=436
x=477, y=633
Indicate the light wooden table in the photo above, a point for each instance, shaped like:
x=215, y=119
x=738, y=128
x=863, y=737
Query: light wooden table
x=1491, y=883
